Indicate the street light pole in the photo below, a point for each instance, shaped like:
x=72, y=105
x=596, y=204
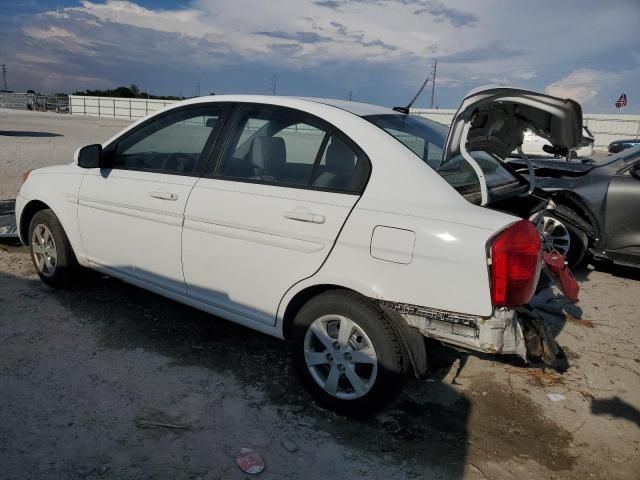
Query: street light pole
x=4, y=76
x=433, y=82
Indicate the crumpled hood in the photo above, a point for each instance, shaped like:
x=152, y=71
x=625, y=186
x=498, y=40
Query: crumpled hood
x=499, y=117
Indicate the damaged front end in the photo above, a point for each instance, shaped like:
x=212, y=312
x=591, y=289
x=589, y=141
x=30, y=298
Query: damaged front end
x=519, y=331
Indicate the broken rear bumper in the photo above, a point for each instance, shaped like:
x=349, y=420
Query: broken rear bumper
x=519, y=332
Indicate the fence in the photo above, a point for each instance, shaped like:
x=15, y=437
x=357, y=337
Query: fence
x=604, y=127
x=126, y=108
x=30, y=101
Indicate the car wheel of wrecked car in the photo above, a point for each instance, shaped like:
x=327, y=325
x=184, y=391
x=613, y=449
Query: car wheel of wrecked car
x=347, y=353
x=50, y=250
x=565, y=238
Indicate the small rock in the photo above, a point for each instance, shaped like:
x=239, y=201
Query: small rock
x=102, y=469
x=289, y=446
x=84, y=470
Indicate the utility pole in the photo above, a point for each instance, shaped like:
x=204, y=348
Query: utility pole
x=433, y=81
x=198, y=89
x=350, y=95
x=274, y=83
x=4, y=76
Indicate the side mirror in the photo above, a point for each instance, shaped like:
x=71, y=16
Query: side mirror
x=635, y=171
x=89, y=156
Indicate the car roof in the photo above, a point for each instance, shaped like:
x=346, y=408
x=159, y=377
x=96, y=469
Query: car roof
x=357, y=108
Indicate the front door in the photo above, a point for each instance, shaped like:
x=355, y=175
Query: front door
x=269, y=212
x=130, y=212
x=622, y=214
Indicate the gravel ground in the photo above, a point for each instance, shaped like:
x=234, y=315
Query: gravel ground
x=36, y=139
x=84, y=373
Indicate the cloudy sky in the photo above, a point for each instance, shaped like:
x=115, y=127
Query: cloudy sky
x=380, y=50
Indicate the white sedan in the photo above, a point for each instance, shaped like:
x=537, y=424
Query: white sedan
x=351, y=230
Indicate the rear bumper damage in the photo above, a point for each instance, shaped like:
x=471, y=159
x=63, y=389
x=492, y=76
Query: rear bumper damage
x=518, y=332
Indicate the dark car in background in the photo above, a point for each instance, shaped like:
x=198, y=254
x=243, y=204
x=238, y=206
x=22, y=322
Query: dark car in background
x=619, y=145
x=597, y=206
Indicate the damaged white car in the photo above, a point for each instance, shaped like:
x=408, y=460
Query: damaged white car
x=351, y=230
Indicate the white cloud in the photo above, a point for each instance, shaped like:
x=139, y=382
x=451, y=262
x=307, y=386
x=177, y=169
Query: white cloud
x=583, y=85
x=186, y=21
x=476, y=42
x=49, y=33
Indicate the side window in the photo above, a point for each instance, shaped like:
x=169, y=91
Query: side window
x=282, y=146
x=172, y=144
x=340, y=168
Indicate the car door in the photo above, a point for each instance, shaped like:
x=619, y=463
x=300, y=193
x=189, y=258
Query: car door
x=268, y=213
x=131, y=210
x=622, y=218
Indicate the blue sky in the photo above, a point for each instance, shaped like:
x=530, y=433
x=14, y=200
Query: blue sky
x=380, y=50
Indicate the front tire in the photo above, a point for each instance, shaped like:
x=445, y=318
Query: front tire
x=347, y=353
x=51, y=251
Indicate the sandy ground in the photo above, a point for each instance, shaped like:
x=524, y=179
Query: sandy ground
x=82, y=370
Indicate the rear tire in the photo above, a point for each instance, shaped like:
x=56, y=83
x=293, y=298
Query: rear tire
x=347, y=353
x=51, y=251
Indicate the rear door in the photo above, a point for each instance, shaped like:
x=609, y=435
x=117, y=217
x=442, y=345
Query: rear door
x=131, y=211
x=269, y=211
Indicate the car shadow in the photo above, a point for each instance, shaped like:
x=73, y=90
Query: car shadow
x=615, y=407
x=425, y=426
x=583, y=272
x=23, y=133
x=428, y=428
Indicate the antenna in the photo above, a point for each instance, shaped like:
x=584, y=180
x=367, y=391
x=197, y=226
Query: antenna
x=433, y=82
x=4, y=76
x=405, y=110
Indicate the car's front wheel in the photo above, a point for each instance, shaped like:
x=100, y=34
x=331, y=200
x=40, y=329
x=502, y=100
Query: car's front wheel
x=50, y=249
x=565, y=238
x=347, y=353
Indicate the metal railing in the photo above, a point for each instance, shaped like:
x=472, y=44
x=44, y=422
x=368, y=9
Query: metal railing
x=115, y=107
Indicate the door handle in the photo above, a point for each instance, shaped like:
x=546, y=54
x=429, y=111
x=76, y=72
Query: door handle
x=164, y=195
x=304, y=216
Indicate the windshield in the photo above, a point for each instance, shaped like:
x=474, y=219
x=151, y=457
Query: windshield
x=426, y=139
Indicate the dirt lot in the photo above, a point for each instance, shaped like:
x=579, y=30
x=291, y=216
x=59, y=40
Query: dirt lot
x=81, y=371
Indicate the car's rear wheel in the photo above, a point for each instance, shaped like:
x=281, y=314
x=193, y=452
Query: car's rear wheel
x=50, y=249
x=347, y=353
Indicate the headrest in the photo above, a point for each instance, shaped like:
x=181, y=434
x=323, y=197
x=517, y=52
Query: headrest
x=268, y=153
x=340, y=158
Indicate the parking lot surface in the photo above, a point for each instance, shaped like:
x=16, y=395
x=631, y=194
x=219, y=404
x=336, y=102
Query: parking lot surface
x=109, y=381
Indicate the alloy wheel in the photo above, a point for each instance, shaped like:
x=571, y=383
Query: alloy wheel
x=340, y=357
x=43, y=247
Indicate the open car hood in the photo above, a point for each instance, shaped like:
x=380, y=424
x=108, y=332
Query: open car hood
x=499, y=116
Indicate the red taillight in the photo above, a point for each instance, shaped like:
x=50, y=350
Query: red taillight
x=515, y=264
